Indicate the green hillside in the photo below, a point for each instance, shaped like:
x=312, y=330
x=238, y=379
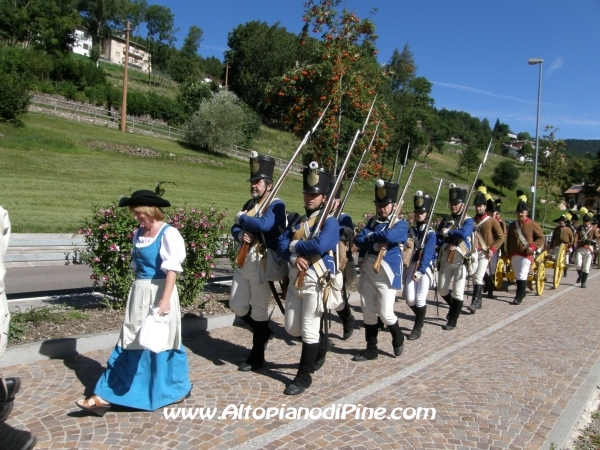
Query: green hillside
x=53, y=170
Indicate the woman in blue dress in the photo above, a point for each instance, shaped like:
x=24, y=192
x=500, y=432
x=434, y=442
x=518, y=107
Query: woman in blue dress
x=136, y=377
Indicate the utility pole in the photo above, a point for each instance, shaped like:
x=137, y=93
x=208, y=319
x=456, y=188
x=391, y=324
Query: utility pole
x=226, y=74
x=124, y=103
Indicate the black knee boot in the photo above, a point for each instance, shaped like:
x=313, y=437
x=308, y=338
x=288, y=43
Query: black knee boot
x=486, y=283
x=397, y=338
x=260, y=337
x=370, y=352
x=584, y=277
x=455, y=309
x=521, y=292
x=8, y=389
x=475, y=299
x=348, y=321
x=419, y=321
x=322, y=353
x=247, y=318
x=579, y=277
x=448, y=299
x=16, y=439
x=303, y=380
x=491, y=287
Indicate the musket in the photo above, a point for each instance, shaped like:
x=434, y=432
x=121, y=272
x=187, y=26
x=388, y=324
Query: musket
x=243, y=252
x=343, y=203
x=391, y=221
x=403, y=165
x=429, y=219
x=325, y=213
x=463, y=214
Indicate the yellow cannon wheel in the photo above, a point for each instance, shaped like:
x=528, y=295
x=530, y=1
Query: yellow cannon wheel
x=559, y=265
x=540, y=278
x=499, y=274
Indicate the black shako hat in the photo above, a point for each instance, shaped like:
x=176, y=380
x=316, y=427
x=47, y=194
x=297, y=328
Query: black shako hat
x=315, y=180
x=498, y=205
x=338, y=194
x=563, y=217
x=385, y=192
x=522, y=205
x=456, y=194
x=144, y=197
x=261, y=167
x=480, y=194
x=422, y=202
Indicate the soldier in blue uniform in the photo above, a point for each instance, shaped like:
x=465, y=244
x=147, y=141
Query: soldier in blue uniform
x=378, y=290
x=419, y=274
x=454, y=242
x=250, y=290
x=304, y=303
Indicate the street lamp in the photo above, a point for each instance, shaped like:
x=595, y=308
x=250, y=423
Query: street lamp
x=533, y=62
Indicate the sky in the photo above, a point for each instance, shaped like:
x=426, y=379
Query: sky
x=475, y=52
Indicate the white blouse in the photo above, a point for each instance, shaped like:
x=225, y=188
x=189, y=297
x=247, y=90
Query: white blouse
x=172, y=249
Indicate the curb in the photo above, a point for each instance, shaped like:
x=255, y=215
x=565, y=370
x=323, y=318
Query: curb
x=73, y=345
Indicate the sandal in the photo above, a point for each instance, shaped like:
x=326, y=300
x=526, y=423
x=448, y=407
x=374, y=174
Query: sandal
x=94, y=404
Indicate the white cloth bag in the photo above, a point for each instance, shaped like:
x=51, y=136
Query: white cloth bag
x=154, y=332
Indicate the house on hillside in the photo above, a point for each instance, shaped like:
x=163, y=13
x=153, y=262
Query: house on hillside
x=579, y=195
x=209, y=78
x=83, y=42
x=511, y=135
x=454, y=141
x=114, y=52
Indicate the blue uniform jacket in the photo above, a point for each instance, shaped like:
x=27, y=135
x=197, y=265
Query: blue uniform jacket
x=323, y=243
x=456, y=235
x=271, y=224
x=429, y=255
x=376, y=231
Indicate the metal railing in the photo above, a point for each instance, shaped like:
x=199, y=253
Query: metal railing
x=93, y=114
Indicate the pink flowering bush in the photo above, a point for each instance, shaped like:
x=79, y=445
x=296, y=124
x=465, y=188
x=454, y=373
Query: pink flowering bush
x=201, y=230
x=108, y=235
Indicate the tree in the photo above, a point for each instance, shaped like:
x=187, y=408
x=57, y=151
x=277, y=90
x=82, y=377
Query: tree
x=258, y=54
x=469, y=159
x=192, y=94
x=594, y=173
x=524, y=136
x=47, y=25
x=219, y=122
x=102, y=17
x=187, y=64
x=552, y=167
x=14, y=98
x=344, y=73
x=160, y=23
x=505, y=175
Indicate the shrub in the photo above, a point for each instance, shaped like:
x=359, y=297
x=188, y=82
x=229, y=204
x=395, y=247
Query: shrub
x=137, y=103
x=192, y=94
x=67, y=89
x=14, y=98
x=201, y=230
x=219, y=122
x=108, y=234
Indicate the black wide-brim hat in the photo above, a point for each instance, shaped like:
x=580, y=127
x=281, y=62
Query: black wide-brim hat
x=563, y=217
x=522, y=206
x=144, y=197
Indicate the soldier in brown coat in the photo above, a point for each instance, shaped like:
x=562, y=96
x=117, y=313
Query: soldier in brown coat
x=487, y=240
x=523, y=238
x=585, y=238
x=562, y=234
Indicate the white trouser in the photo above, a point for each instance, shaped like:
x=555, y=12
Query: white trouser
x=377, y=297
x=520, y=266
x=583, y=259
x=416, y=292
x=302, y=311
x=248, y=287
x=4, y=320
x=482, y=265
x=453, y=274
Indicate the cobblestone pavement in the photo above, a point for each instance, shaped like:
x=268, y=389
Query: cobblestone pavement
x=501, y=380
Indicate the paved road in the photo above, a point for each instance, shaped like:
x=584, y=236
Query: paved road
x=508, y=378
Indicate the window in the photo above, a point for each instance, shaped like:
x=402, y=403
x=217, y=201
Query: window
x=85, y=46
x=118, y=54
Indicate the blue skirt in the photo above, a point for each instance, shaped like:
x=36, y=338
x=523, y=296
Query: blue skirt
x=145, y=380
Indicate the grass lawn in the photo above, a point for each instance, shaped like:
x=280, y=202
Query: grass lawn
x=51, y=176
